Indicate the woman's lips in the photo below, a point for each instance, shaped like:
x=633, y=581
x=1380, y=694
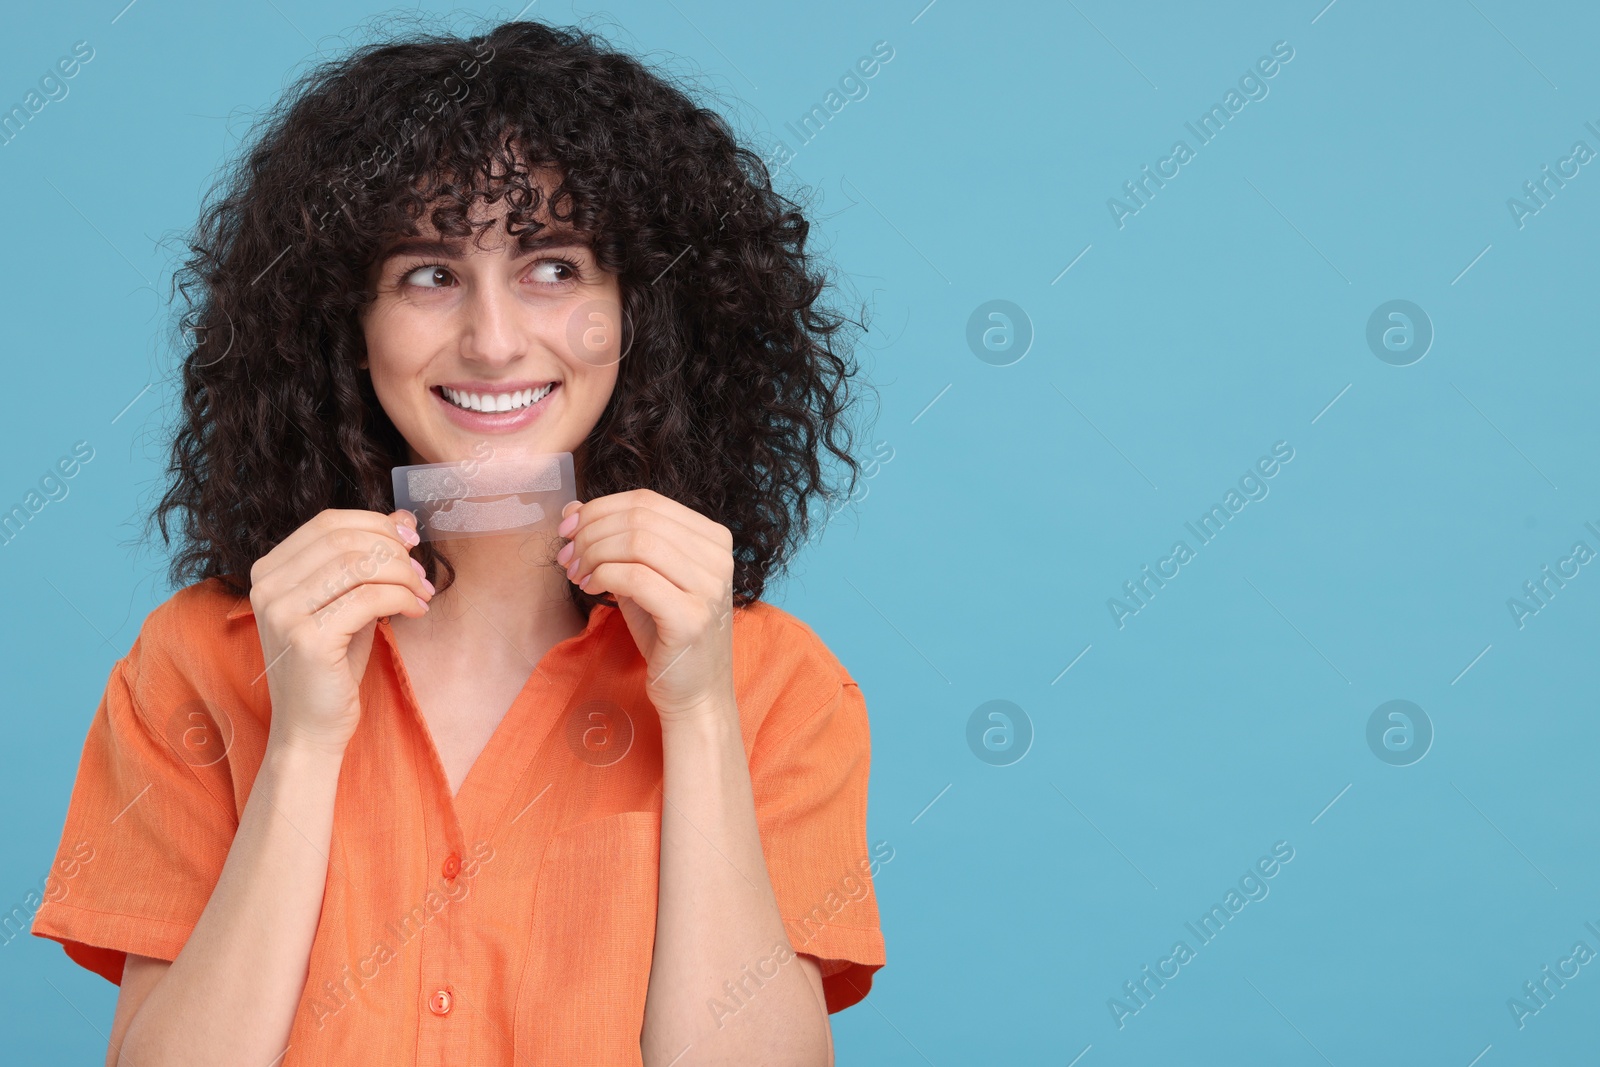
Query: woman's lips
x=495, y=421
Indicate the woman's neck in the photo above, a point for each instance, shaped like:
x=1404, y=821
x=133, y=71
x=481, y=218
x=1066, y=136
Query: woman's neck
x=507, y=590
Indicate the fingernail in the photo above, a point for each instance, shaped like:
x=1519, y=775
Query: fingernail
x=428, y=586
x=568, y=524
x=572, y=568
x=408, y=535
x=421, y=571
x=422, y=602
x=565, y=555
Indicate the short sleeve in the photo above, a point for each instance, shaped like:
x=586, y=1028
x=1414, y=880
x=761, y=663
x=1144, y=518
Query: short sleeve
x=810, y=784
x=147, y=830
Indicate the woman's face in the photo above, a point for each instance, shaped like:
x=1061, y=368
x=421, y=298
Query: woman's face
x=472, y=345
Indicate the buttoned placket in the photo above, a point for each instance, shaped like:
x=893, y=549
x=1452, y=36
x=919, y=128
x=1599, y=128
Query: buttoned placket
x=440, y=1036
x=442, y=1033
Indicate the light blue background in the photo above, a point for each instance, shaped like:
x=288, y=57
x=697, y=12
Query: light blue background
x=1223, y=317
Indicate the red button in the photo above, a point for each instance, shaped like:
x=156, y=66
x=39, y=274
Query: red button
x=452, y=865
x=439, y=1003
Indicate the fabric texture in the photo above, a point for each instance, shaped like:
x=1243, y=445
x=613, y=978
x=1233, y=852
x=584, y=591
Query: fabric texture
x=513, y=922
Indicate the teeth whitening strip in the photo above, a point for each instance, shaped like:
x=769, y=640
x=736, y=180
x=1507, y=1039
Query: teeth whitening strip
x=478, y=498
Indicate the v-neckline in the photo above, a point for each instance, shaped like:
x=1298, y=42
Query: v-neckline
x=499, y=745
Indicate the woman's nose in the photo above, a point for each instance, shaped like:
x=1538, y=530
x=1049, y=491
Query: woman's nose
x=493, y=331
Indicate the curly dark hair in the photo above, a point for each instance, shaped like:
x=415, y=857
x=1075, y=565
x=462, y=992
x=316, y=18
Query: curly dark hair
x=737, y=377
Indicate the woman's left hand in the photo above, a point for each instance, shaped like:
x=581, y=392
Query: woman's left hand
x=671, y=570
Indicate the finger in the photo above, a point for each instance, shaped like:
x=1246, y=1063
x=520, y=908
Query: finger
x=345, y=571
x=649, y=498
x=660, y=598
x=666, y=556
x=363, y=605
x=654, y=526
x=326, y=522
x=355, y=555
x=682, y=570
x=340, y=559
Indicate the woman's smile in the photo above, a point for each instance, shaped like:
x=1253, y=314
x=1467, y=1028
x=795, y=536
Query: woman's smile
x=487, y=408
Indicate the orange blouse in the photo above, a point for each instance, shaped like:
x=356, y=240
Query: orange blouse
x=513, y=922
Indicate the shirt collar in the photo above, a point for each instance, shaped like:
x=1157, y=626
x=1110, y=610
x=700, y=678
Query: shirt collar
x=244, y=608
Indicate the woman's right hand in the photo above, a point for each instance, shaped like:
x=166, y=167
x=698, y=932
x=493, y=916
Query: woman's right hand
x=317, y=598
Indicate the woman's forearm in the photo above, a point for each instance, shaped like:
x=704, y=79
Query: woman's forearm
x=713, y=995
x=231, y=995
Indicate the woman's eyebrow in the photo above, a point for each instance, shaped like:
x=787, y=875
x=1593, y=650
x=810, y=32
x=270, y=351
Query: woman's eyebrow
x=422, y=247
x=526, y=243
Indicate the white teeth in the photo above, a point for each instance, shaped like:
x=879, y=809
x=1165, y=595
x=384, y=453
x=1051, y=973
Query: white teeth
x=492, y=402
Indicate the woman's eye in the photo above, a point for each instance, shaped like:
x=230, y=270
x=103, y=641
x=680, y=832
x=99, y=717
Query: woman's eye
x=553, y=272
x=545, y=272
x=427, y=277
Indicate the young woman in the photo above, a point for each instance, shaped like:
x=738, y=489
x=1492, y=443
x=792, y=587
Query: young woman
x=354, y=798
